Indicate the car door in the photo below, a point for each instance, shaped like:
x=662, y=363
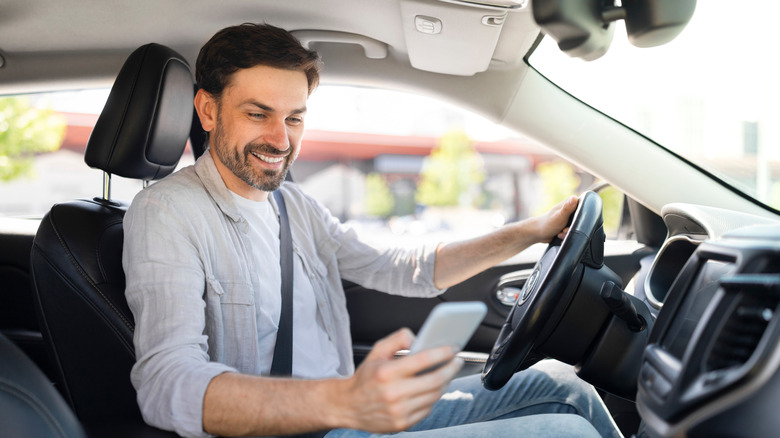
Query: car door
x=375, y=314
x=381, y=178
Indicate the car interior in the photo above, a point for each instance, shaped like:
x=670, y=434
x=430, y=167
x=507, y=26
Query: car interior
x=674, y=321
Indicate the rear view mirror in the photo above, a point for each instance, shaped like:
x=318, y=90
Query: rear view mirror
x=576, y=25
x=583, y=28
x=650, y=23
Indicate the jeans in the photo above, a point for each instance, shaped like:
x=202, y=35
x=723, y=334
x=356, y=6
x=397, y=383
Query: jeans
x=546, y=400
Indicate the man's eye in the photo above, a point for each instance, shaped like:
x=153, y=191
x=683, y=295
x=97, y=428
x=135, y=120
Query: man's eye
x=295, y=120
x=256, y=115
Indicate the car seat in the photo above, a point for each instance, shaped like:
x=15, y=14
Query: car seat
x=76, y=259
x=29, y=406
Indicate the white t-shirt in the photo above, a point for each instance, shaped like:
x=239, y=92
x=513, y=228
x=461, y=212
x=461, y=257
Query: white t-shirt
x=314, y=355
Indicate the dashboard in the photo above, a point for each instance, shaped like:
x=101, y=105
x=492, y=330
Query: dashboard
x=710, y=367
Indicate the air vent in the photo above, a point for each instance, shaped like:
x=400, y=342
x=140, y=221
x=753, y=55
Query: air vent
x=745, y=326
x=741, y=333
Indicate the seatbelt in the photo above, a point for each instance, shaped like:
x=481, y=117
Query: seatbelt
x=282, y=362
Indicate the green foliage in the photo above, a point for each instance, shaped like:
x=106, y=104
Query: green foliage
x=379, y=199
x=25, y=131
x=558, y=181
x=451, y=172
x=612, y=200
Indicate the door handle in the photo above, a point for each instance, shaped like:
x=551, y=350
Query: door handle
x=511, y=286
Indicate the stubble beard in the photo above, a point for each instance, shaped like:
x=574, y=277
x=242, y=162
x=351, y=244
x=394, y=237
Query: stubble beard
x=240, y=164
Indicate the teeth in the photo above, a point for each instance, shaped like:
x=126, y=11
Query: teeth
x=268, y=159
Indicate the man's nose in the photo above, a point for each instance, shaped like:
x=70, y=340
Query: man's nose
x=277, y=136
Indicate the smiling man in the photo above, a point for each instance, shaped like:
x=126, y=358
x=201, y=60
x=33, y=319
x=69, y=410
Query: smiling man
x=254, y=142
x=202, y=261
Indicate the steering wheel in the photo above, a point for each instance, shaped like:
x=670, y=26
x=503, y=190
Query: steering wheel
x=547, y=292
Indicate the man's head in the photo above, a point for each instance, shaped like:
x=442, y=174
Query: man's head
x=247, y=45
x=255, y=81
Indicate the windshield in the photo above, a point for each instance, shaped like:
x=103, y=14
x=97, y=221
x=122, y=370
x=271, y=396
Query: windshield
x=711, y=95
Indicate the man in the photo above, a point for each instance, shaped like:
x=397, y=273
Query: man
x=203, y=281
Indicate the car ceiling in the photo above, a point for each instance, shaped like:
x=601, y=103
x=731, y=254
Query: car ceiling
x=58, y=44
x=48, y=45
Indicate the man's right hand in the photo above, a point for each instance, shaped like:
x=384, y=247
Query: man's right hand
x=390, y=395
x=384, y=395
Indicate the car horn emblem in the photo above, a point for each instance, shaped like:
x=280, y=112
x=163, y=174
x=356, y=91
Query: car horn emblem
x=529, y=287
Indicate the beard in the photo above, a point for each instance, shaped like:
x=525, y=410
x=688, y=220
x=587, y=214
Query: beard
x=238, y=161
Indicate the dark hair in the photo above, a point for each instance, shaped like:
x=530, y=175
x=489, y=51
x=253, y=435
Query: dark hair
x=247, y=45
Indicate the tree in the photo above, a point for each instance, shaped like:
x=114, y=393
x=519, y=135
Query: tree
x=379, y=200
x=452, y=170
x=25, y=131
x=612, y=202
x=558, y=181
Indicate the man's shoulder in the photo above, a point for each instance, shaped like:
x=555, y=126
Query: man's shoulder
x=182, y=182
x=178, y=190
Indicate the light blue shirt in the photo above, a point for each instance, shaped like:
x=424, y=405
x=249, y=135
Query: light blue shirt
x=192, y=286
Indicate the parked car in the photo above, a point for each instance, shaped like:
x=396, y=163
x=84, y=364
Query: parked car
x=667, y=109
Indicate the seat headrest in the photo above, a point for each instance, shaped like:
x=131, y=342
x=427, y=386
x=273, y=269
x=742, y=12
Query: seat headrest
x=143, y=128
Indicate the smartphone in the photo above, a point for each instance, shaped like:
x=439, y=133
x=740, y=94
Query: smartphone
x=450, y=324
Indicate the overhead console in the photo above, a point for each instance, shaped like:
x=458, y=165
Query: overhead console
x=435, y=30
x=711, y=364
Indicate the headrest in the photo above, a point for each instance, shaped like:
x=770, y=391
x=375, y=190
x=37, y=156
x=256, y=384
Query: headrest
x=146, y=121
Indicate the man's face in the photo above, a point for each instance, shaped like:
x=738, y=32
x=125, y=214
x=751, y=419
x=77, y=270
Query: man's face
x=258, y=128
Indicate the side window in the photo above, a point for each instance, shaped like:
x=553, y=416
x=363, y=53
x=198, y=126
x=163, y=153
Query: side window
x=617, y=220
x=399, y=167
x=42, y=141
x=406, y=169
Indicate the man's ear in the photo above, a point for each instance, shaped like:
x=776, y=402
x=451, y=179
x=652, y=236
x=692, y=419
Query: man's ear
x=206, y=106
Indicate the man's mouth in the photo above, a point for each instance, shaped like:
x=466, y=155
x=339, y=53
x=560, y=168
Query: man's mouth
x=267, y=159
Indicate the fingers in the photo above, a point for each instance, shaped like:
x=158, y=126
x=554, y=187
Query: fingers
x=555, y=221
x=425, y=360
x=391, y=395
x=386, y=347
x=410, y=398
x=402, y=339
x=424, y=390
x=568, y=205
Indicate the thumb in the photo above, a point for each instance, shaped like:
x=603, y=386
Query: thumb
x=386, y=347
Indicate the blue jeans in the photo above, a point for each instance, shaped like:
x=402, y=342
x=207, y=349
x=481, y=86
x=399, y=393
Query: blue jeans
x=547, y=400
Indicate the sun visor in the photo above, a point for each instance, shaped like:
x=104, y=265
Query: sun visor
x=444, y=37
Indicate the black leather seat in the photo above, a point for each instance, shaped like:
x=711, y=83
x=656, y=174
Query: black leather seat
x=76, y=259
x=29, y=406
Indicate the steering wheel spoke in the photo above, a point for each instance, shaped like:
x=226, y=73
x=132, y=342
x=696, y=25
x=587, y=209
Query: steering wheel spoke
x=546, y=293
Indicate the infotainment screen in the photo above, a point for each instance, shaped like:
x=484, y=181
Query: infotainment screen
x=698, y=296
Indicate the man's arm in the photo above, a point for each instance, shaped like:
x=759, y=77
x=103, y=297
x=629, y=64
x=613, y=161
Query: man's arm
x=384, y=395
x=458, y=261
